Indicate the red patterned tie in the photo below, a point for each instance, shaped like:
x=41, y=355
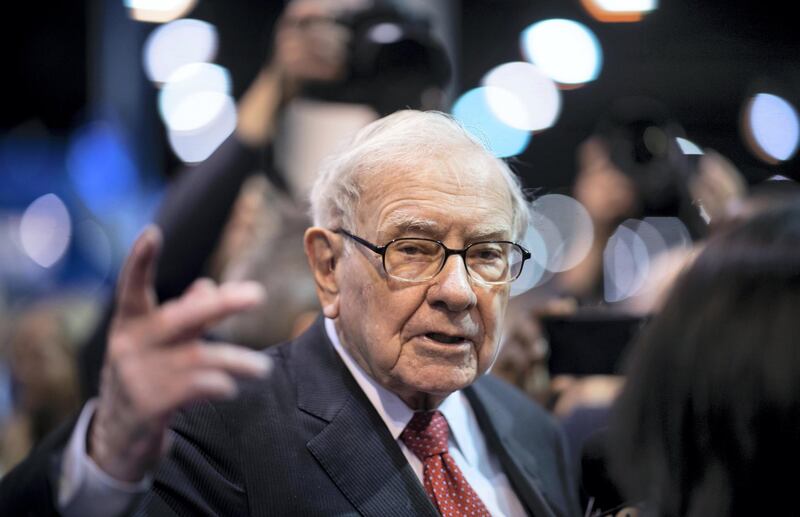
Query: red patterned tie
x=426, y=436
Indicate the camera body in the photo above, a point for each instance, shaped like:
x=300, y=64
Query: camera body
x=393, y=59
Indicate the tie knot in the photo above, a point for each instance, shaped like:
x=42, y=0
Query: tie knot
x=426, y=434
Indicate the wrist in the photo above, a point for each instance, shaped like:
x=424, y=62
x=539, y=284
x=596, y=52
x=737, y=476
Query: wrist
x=125, y=452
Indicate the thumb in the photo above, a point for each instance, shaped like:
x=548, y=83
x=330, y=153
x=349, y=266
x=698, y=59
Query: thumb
x=135, y=292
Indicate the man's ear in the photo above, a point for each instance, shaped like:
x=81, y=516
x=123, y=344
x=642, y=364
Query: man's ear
x=323, y=249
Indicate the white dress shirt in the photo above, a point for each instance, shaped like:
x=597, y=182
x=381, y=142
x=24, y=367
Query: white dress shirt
x=467, y=445
x=84, y=490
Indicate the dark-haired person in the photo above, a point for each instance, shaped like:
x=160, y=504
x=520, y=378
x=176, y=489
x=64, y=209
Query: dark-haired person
x=707, y=422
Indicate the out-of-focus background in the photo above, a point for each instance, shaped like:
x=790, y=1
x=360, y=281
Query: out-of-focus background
x=104, y=101
x=81, y=118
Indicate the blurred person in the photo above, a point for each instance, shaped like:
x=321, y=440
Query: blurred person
x=587, y=420
x=322, y=81
x=522, y=361
x=381, y=407
x=263, y=242
x=762, y=196
x=710, y=410
x=629, y=167
x=43, y=380
x=633, y=167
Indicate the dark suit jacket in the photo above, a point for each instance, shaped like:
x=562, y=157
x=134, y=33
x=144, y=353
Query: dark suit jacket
x=307, y=441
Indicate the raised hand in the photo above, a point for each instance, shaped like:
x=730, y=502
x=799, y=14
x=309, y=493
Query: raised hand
x=157, y=361
x=309, y=46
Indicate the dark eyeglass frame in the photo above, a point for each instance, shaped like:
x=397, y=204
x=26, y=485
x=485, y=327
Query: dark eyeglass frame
x=381, y=250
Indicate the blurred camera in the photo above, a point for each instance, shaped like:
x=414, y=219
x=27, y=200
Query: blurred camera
x=394, y=59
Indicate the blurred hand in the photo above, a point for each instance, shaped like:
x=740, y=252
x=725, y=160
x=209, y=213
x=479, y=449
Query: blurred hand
x=309, y=45
x=590, y=391
x=718, y=186
x=157, y=362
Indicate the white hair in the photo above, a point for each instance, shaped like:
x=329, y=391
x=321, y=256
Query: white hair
x=402, y=138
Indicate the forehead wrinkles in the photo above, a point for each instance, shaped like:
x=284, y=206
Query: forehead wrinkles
x=394, y=212
x=401, y=222
x=450, y=170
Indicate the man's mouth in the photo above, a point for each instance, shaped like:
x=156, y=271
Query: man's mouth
x=445, y=338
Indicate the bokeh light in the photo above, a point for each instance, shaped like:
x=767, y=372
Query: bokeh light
x=534, y=271
x=176, y=44
x=474, y=112
x=385, y=33
x=101, y=167
x=619, y=10
x=198, y=110
x=688, y=147
x=632, y=251
x=16, y=268
x=672, y=232
x=158, y=11
x=538, y=100
x=565, y=50
x=771, y=127
x=565, y=228
x=45, y=230
x=195, y=145
x=193, y=96
x=625, y=264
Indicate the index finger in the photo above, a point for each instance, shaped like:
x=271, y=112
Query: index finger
x=135, y=294
x=194, y=312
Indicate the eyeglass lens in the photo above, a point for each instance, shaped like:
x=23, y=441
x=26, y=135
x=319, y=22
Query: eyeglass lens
x=419, y=259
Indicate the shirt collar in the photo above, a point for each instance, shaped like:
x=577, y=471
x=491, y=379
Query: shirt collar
x=394, y=412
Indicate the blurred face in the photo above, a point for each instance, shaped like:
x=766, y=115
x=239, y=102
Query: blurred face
x=427, y=339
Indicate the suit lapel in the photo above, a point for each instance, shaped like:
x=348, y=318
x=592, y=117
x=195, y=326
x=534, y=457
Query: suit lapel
x=355, y=448
x=517, y=460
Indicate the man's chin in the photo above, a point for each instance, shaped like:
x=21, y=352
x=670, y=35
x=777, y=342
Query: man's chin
x=438, y=383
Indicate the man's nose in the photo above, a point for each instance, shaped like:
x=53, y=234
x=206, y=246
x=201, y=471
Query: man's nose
x=452, y=287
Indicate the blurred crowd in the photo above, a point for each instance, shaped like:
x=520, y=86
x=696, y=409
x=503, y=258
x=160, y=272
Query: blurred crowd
x=241, y=216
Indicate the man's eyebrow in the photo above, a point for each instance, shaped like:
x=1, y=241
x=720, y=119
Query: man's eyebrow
x=491, y=234
x=399, y=224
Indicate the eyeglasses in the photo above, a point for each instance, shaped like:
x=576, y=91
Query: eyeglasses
x=414, y=259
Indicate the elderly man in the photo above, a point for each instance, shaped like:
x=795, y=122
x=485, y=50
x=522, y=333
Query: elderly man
x=381, y=408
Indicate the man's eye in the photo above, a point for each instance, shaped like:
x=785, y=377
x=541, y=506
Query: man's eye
x=415, y=249
x=488, y=254
x=409, y=249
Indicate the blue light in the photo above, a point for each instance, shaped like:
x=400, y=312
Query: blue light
x=566, y=50
x=774, y=126
x=472, y=110
x=101, y=168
